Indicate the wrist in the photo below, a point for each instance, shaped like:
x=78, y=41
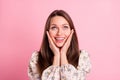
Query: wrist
x=63, y=59
x=63, y=55
x=57, y=55
x=56, y=60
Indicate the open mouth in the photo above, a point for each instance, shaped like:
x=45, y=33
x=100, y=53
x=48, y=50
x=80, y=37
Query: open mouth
x=59, y=39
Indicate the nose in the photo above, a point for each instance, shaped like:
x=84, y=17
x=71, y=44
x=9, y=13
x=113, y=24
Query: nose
x=59, y=31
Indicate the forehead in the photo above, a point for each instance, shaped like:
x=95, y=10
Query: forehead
x=58, y=20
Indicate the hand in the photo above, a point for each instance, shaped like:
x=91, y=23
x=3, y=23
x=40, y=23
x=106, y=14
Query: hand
x=67, y=44
x=55, y=50
x=53, y=47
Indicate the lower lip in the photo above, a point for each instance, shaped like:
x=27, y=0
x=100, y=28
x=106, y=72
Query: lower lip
x=59, y=41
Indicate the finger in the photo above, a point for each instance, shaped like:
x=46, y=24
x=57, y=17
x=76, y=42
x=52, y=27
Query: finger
x=49, y=38
x=71, y=34
x=67, y=43
x=70, y=37
x=51, y=43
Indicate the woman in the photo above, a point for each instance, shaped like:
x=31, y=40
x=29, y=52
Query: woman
x=59, y=57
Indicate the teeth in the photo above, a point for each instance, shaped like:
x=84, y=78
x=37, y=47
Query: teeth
x=59, y=38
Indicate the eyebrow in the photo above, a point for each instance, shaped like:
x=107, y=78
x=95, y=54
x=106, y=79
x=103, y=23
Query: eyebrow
x=52, y=24
x=62, y=24
x=65, y=24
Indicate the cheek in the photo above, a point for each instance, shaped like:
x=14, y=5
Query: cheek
x=67, y=33
x=52, y=33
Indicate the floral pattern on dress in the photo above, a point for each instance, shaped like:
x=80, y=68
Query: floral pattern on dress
x=63, y=72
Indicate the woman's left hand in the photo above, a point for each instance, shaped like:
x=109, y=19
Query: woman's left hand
x=67, y=44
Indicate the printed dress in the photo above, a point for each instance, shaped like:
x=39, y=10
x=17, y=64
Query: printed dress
x=63, y=72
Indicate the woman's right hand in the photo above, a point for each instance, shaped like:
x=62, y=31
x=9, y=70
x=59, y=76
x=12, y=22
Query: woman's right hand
x=53, y=47
x=55, y=50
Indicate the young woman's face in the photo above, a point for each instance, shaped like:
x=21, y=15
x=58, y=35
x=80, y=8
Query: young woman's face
x=59, y=30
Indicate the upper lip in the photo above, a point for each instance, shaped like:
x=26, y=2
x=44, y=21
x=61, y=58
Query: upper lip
x=59, y=37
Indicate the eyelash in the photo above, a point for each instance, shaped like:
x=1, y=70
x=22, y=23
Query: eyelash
x=65, y=26
x=53, y=27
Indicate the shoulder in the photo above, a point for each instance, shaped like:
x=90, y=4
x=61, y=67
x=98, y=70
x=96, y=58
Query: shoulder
x=32, y=68
x=84, y=56
x=84, y=53
x=84, y=61
x=34, y=57
x=35, y=54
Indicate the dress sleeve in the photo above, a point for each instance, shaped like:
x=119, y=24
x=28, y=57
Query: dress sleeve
x=33, y=73
x=51, y=73
x=69, y=72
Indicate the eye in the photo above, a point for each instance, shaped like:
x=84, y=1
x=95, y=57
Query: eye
x=66, y=27
x=53, y=28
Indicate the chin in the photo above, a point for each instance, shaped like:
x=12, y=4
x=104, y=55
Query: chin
x=59, y=46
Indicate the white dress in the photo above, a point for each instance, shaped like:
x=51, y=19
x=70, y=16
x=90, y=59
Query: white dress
x=63, y=72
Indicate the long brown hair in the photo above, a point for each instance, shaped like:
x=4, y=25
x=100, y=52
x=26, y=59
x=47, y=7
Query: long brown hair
x=45, y=58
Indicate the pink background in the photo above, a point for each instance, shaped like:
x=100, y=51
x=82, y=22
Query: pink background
x=97, y=23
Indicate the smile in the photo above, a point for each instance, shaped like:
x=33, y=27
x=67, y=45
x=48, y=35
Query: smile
x=60, y=39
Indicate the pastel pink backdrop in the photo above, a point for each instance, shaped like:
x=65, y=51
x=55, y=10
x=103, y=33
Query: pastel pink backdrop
x=97, y=23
